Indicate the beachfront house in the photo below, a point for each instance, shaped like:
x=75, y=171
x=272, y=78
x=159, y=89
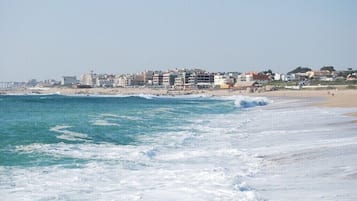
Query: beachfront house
x=148, y=75
x=182, y=79
x=223, y=81
x=179, y=82
x=200, y=79
x=253, y=76
x=104, y=80
x=278, y=76
x=168, y=79
x=157, y=79
x=320, y=75
x=123, y=80
x=138, y=79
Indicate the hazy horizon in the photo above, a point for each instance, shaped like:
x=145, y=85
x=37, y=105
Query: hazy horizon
x=49, y=39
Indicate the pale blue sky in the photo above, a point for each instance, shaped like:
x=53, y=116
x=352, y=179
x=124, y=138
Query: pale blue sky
x=47, y=39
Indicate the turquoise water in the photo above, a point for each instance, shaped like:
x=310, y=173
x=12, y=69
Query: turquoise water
x=55, y=147
x=26, y=120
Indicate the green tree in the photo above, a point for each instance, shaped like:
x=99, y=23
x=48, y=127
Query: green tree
x=329, y=68
x=300, y=70
x=270, y=72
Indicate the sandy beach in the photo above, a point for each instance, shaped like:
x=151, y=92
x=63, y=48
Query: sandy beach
x=329, y=98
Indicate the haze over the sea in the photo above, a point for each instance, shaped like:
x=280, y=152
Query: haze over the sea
x=48, y=39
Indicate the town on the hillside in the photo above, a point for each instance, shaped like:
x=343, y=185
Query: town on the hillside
x=189, y=79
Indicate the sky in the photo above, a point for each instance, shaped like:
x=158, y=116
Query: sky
x=46, y=39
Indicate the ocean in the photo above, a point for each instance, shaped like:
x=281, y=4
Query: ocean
x=55, y=147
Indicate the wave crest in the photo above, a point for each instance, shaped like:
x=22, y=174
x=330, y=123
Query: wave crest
x=247, y=102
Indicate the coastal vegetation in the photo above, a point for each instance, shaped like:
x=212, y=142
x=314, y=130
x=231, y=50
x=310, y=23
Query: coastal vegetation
x=300, y=70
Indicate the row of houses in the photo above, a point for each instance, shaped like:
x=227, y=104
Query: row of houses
x=194, y=79
x=188, y=79
x=176, y=79
x=27, y=84
x=11, y=85
x=320, y=75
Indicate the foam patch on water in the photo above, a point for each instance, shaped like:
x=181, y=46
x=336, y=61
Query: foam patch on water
x=115, y=117
x=102, y=122
x=69, y=135
x=109, y=115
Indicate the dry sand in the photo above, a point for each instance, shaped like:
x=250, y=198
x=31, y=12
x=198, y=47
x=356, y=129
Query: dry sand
x=330, y=98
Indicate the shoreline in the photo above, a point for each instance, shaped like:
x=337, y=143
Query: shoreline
x=343, y=98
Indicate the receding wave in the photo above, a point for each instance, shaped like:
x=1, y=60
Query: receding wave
x=102, y=122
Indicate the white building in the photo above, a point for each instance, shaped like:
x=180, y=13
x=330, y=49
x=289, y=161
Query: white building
x=88, y=79
x=223, y=81
x=168, y=79
x=277, y=76
x=6, y=85
x=157, y=79
x=219, y=80
x=179, y=82
x=123, y=80
x=282, y=77
x=245, y=77
x=104, y=80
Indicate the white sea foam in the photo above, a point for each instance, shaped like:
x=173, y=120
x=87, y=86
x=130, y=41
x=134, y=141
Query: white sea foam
x=69, y=135
x=145, y=96
x=265, y=153
x=246, y=101
x=243, y=101
x=102, y=122
x=162, y=167
x=115, y=117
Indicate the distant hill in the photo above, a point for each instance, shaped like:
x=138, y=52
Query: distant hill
x=300, y=70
